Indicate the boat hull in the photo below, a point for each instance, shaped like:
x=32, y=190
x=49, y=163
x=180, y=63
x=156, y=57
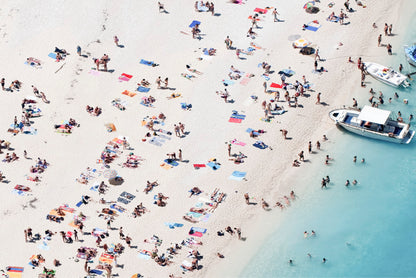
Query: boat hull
x=339, y=115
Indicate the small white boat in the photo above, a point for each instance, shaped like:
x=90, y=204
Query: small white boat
x=373, y=123
x=386, y=75
x=410, y=52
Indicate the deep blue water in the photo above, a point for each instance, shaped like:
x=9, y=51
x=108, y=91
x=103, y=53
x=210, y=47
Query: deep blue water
x=367, y=230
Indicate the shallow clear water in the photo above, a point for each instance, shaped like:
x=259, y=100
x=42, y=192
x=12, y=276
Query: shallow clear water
x=367, y=230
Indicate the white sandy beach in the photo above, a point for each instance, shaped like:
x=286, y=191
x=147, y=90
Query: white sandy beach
x=34, y=30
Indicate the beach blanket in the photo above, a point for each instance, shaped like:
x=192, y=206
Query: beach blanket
x=142, y=89
x=173, y=225
x=260, y=145
x=193, y=23
x=235, y=115
x=14, y=271
x=147, y=63
x=275, y=85
x=106, y=258
x=52, y=55
x=197, y=166
x=125, y=77
x=235, y=120
x=171, y=162
x=213, y=165
x=334, y=19
x=237, y=175
x=249, y=130
x=260, y=11
x=118, y=208
x=236, y=142
x=195, y=231
x=128, y=93
x=312, y=26
x=227, y=82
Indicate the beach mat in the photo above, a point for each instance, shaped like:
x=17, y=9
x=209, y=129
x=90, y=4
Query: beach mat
x=142, y=89
x=237, y=175
x=235, y=120
x=275, y=85
x=52, y=55
x=147, y=63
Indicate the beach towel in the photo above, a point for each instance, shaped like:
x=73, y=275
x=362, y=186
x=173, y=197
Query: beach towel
x=96, y=271
x=278, y=112
x=235, y=120
x=201, y=230
x=142, y=89
x=236, y=142
x=312, y=26
x=14, y=271
x=147, y=63
x=193, y=23
x=227, y=82
x=155, y=141
x=125, y=77
x=106, y=258
x=143, y=256
x=213, y=165
x=251, y=18
x=334, y=19
x=173, y=225
x=128, y=93
x=52, y=55
x=235, y=115
x=94, y=72
x=206, y=217
x=275, y=85
x=260, y=145
x=237, y=175
x=122, y=200
x=245, y=80
x=127, y=195
x=118, y=208
x=166, y=166
x=250, y=130
x=260, y=11
x=197, y=166
x=171, y=162
x=287, y=72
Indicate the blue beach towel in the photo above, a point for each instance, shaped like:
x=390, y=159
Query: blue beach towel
x=228, y=82
x=260, y=145
x=195, y=22
x=238, y=176
x=201, y=230
x=171, y=162
x=147, y=63
x=213, y=165
x=311, y=28
x=52, y=55
x=250, y=130
x=142, y=89
x=79, y=204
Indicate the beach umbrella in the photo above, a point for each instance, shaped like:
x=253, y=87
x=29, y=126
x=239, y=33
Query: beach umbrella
x=116, y=180
x=300, y=43
x=108, y=174
x=293, y=37
x=309, y=4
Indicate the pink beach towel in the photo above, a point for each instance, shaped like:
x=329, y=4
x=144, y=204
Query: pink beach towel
x=125, y=77
x=236, y=142
x=234, y=120
x=261, y=11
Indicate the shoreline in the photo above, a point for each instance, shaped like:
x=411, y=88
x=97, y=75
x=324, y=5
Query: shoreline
x=73, y=87
x=264, y=222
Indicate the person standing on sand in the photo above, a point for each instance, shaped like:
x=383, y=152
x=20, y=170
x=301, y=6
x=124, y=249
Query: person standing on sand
x=390, y=28
x=354, y=103
x=310, y=147
x=284, y=133
x=116, y=40
x=318, y=99
x=275, y=13
x=158, y=82
x=229, y=149
x=228, y=42
x=318, y=145
x=180, y=155
x=247, y=198
x=79, y=50
x=389, y=51
x=161, y=7
x=3, y=81
x=386, y=28
x=379, y=40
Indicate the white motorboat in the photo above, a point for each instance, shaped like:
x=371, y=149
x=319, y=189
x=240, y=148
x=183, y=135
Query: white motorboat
x=386, y=75
x=373, y=123
x=410, y=52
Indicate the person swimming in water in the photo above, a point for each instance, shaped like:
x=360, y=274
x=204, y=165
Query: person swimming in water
x=347, y=183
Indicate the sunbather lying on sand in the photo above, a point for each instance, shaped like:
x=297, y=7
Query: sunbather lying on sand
x=34, y=61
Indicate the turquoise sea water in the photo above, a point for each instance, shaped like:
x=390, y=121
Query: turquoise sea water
x=367, y=230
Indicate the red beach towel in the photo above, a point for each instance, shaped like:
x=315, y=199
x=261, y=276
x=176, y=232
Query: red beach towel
x=275, y=85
